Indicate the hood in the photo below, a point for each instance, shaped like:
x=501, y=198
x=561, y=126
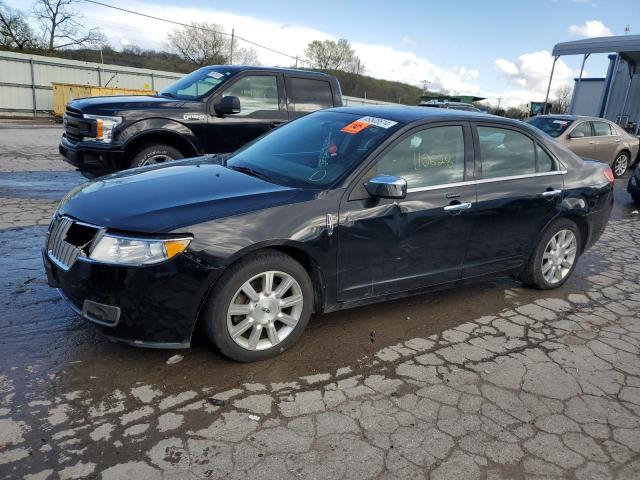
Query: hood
x=161, y=199
x=116, y=104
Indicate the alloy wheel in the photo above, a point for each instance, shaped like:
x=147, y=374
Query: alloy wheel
x=154, y=159
x=559, y=256
x=620, y=164
x=265, y=310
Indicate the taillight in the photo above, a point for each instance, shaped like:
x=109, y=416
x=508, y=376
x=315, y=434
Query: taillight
x=609, y=174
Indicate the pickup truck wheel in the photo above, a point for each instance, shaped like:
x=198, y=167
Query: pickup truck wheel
x=154, y=154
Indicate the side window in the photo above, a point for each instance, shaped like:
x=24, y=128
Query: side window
x=310, y=95
x=545, y=162
x=582, y=130
x=256, y=93
x=505, y=153
x=602, y=129
x=433, y=156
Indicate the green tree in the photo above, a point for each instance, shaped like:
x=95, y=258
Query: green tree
x=330, y=55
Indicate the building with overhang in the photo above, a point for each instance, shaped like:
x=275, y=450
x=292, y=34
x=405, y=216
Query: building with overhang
x=617, y=95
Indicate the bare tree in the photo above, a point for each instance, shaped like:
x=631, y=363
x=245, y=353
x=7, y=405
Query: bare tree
x=15, y=32
x=201, y=43
x=563, y=100
x=330, y=55
x=60, y=25
x=242, y=55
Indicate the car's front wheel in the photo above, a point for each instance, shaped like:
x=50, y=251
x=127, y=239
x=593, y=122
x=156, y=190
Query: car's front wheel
x=154, y=154
x=259, y=307
x=620, y=164
x=555, y=256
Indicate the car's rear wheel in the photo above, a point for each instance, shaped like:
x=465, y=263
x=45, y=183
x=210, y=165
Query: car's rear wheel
x=555, y=256
x=620, y=164
x=259, y=307
x=154, y=154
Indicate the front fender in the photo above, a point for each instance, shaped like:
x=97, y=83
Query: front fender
x=153, y=126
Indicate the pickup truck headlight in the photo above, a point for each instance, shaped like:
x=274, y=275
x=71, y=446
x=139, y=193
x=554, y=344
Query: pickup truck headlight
x=122, y=250
x=104, y=127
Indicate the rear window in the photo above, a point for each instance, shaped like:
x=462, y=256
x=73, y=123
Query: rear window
x=602, y=129
x=549, y=125
x=309, y=95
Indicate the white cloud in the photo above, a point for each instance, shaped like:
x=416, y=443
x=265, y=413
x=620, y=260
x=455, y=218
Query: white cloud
x=380, y=61
x=529, y=75
x=591, y=28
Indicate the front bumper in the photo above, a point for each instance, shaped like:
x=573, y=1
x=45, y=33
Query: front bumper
x=157, y=305
x=92, y=158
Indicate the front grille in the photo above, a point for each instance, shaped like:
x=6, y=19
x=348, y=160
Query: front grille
x=68, y=240
x=76, y=126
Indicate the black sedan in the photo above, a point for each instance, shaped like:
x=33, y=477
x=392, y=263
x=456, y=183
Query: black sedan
x=340, y=208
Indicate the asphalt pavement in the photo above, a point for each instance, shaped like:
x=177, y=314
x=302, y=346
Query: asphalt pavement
x=491, y=380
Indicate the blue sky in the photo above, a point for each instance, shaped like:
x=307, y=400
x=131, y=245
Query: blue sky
x=496, y=48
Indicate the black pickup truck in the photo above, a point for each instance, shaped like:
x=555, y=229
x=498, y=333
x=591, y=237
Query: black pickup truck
x=215, y=109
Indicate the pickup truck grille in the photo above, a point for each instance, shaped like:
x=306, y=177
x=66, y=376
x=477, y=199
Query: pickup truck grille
x=76, y=126
x=68, y=239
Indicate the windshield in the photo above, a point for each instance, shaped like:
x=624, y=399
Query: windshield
x=549, y=125
x=197, y=84
x=314, y=151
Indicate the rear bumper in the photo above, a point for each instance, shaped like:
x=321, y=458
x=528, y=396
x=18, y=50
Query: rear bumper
x=155, y=306
x=92, y=159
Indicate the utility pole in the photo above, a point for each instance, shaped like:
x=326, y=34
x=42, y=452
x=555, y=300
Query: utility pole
x=627, y=29
x=424, y=86
x=499, y=102
x=232, y=40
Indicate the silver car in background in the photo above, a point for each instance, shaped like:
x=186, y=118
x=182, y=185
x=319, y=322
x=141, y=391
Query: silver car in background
x=591, y=137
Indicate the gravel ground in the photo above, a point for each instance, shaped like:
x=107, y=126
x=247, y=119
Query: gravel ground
x=493, y=381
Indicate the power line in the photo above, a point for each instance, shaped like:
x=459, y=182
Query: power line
x=293, y=57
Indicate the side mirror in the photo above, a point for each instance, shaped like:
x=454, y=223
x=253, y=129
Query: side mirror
x=386, y=186
x=227, y=105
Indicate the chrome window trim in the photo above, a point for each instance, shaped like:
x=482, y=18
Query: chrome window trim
x=485, y=180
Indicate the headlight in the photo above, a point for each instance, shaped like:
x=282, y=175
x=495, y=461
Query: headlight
x=121, y=250
x=104, y=127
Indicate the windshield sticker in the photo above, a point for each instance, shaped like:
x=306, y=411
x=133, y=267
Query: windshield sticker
x=378, y=122
x=355, y=127
x=194, y=116
x=215, y=74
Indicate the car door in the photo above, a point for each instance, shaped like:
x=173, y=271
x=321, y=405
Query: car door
x=580, y=139
x=519, y=188
x=608, y=142
x=262, y=107
x=389, y=246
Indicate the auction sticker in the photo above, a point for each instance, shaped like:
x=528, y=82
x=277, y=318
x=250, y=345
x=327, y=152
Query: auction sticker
x=364, y=122
x=354, y=127
x=378, y=122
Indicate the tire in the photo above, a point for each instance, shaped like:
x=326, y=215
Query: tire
x=154, y=154
x=260, y=317
x=621, y=164
x=536, y=274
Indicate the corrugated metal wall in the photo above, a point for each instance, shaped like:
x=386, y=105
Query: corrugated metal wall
x=624, y=98
x=25, y=78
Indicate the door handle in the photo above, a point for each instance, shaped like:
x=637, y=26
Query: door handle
x=591, y=142
x=276, y=124
x=457, y=207
x=551, y=193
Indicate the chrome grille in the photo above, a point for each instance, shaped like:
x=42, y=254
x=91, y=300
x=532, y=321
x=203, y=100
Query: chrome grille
x=61, y=252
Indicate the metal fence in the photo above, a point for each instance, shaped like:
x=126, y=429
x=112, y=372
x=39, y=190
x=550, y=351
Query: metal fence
x=25, y=81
